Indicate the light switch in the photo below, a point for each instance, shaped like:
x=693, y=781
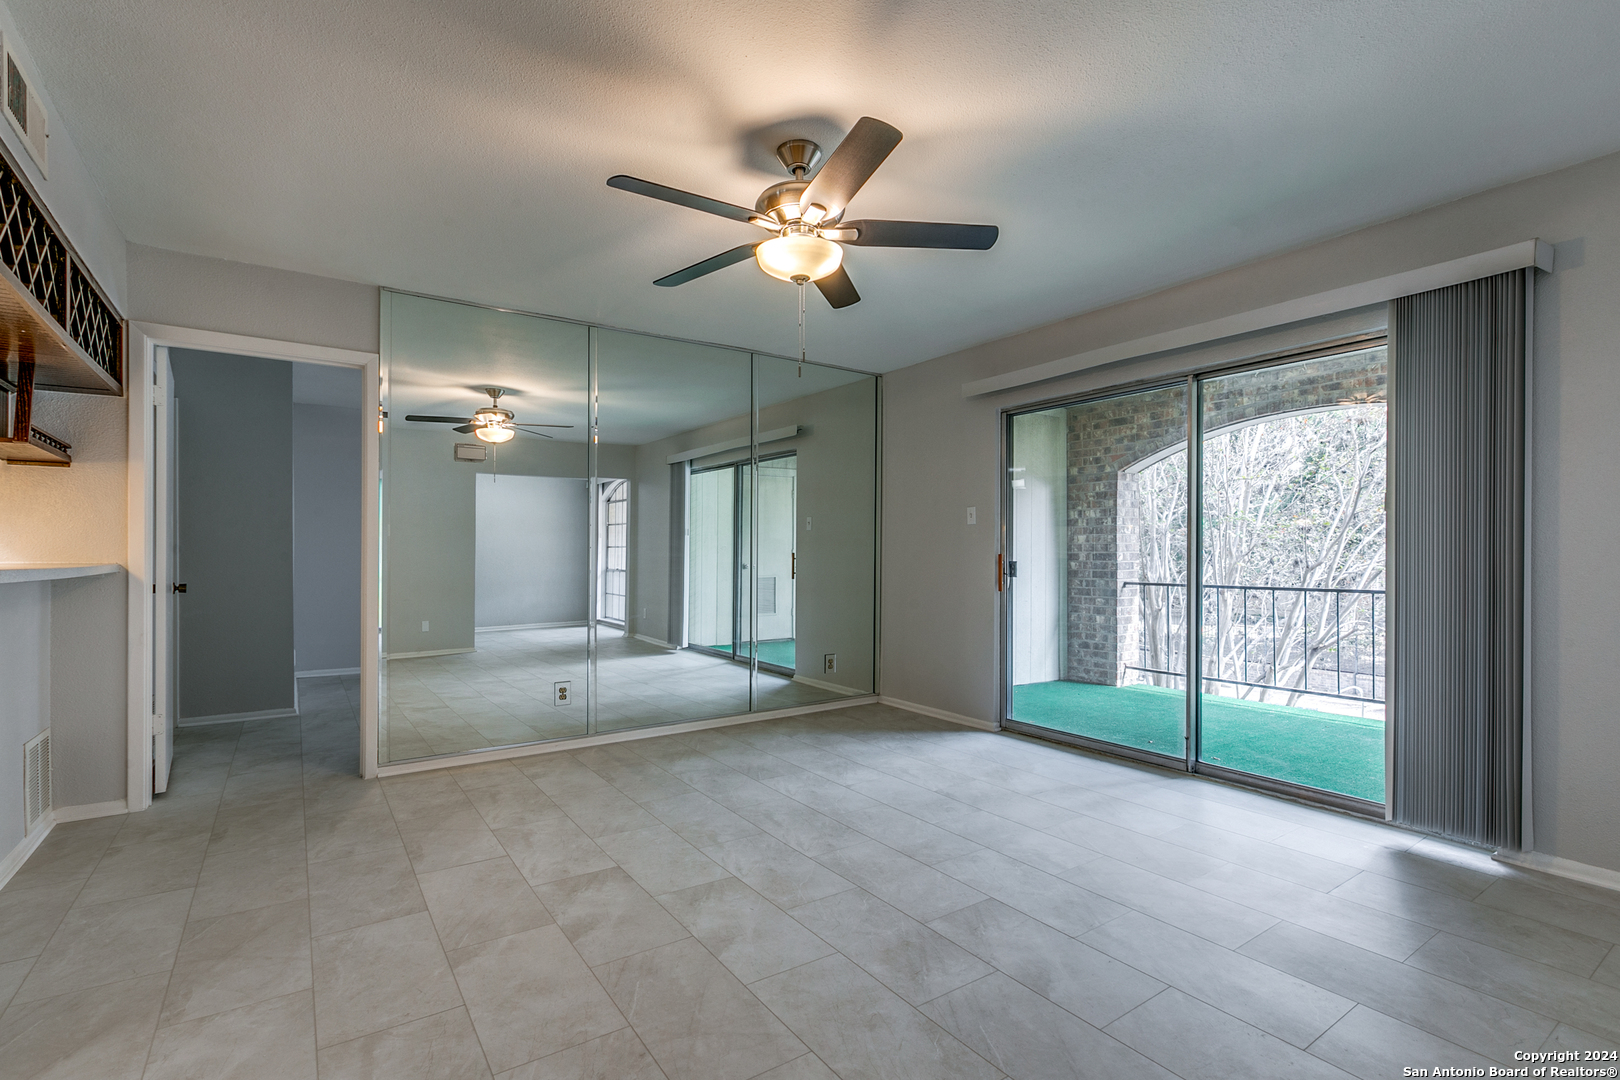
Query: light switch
x=424, y=626
x=973, y=515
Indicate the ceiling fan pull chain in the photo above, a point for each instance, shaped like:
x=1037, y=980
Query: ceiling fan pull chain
x=802, y=284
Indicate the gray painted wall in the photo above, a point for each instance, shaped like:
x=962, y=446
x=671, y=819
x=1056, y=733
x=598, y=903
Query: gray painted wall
x=235, y=298
x=89, y=690
x=428, y=567
x=25, y=703
x=940, y=455
x=236, y=535
x=326, y=537
x=533, y=551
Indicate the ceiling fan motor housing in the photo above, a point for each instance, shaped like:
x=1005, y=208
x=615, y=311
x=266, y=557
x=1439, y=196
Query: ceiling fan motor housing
x=780, y=202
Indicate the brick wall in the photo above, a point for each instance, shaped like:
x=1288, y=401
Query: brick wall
x=1109, y=439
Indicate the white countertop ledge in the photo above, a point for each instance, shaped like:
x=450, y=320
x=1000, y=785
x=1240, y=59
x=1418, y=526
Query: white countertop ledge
x=16, y=573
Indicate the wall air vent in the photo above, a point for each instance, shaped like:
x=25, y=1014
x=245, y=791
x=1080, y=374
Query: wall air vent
x=23, y=109
x=36, y=781
x=471, y=451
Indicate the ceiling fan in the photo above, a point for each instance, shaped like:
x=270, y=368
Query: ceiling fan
x=807, y=216
x=491, y=423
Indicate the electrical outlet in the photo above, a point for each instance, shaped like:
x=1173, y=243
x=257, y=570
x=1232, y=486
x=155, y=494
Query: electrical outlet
x=562, y=694
x=424, y=626
x=829, y=663
x=973, y=515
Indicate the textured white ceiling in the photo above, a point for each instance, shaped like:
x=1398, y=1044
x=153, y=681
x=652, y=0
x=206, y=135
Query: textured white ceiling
x=460, y=148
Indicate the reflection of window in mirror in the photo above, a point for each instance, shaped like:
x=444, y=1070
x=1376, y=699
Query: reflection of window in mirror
x=612, y=577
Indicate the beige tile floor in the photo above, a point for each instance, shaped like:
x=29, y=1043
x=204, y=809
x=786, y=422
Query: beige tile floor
x=501, y=694
x=856, y=894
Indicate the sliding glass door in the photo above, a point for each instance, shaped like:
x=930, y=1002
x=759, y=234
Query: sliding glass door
x=1285, y=465
x=732, y=604
x=1292, y=618
x=1098, y=571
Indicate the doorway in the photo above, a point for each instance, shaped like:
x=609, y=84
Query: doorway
x=1265, y=487
x=741, y=580
x=258, y=536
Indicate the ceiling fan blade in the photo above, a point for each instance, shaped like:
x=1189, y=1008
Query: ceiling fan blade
x=838, y=289
x=850, y=166
x=543, y=425
x=685, y=198
x=540, y=434
x=464, y=429
x=920, y=234
x=708, y=266
x=441, y=419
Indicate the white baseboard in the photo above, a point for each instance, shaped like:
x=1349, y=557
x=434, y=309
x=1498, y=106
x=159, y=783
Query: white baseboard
x=1600, y=876
x=660, y=642
x=324, y=672
x=428, y=652
x=86, y=811
x=527, y=626
x=236, y=718
x=834, y=687
x=13, y=862
x=506, y=753
x=940, y=714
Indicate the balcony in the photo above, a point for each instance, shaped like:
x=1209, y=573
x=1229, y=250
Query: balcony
x=1293, y=683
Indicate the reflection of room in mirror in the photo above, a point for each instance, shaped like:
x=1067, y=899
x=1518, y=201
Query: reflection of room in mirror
x=664, y=573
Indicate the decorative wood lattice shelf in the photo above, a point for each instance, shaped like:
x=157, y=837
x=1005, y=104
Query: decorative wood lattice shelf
x=57, y=330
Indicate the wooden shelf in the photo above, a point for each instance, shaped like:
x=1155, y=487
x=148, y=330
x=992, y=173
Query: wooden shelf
x=21, y=443
x=40, y=449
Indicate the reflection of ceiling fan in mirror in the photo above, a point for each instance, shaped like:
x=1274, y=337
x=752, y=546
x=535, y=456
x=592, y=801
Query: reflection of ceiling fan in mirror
x=492, y=423
x=807, y=216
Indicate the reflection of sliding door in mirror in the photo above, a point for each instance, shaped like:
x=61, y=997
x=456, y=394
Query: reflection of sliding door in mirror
x=1098, y=571
x=777, y=480
x=714, y=559
x=486, y=546
x=669, y=412
x=722, y=553
x=1292, y=618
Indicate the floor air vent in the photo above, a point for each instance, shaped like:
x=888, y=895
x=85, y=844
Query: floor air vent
x=37, y=780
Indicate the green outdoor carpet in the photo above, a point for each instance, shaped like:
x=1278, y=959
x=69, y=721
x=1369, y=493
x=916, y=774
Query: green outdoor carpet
x=1337, y=753
x=779, y=652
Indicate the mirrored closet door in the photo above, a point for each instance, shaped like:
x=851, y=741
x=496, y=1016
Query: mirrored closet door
x=636, y=531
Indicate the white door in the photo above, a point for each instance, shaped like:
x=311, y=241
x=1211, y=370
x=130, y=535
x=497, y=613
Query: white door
x=166, y=545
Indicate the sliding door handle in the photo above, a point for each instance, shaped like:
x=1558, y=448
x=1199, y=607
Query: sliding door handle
x=179, y=586
x=1000, y=572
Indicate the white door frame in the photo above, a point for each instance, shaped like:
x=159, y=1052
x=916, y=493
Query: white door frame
x=140, y=356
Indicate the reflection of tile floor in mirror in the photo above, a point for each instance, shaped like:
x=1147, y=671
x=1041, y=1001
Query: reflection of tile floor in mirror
x=502, y=693
x=855, y=893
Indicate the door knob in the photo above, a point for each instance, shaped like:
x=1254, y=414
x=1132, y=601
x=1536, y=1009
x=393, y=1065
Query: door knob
x=179, y=586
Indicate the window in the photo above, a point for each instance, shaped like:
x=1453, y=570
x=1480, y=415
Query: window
x=612, y=599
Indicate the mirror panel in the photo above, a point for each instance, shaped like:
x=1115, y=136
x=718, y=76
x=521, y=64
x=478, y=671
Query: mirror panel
x=815, y=502
x=485, y=562
x=677, y=654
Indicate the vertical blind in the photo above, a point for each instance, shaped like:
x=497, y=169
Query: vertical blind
x=1456, y=558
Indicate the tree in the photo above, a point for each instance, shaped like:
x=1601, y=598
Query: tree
x=1291, y=503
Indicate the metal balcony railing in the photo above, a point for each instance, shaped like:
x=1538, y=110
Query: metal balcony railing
x=1321, y=642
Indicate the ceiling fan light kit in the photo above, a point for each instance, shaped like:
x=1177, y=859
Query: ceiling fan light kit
x=807, y=216
x=491, y=423
x=799, y=257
